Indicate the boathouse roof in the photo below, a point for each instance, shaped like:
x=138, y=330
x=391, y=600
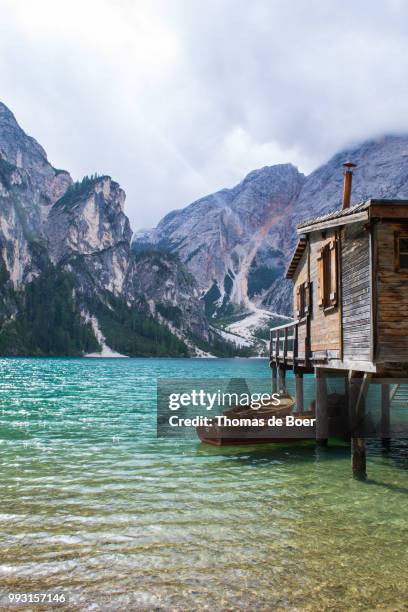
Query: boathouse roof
x=300, y=248
x=359, y=212
x=337, y=217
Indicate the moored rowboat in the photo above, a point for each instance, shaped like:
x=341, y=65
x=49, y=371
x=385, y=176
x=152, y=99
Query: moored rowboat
x=245, y=425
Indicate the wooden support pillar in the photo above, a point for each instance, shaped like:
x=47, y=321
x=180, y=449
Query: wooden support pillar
x=299, y=391
x=358, y=458
x=282, y=379
x=274, y=377
x=322, y=415
x=357, y=390
x=346, y=408
x=385, y=414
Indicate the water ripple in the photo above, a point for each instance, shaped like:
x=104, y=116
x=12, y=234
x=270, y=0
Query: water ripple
x=94, y=504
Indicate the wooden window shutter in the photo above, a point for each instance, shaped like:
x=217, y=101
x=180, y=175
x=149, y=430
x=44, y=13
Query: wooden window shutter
x=298, y=301
x=306, y=294
x=333, y=270
x=320, y=278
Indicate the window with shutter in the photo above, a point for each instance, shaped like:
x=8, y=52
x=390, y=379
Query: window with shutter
x=303, y=300
x=333, y=273
x=306, y=298
x=298, y=304
x=320, y=278
x=327, y=275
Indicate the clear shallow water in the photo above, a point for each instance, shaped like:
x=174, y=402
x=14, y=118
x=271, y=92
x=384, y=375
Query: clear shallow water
x=93, y=503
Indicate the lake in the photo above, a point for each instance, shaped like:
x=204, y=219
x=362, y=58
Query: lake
x=93, y=504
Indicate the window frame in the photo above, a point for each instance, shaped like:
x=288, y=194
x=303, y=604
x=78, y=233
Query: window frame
x=401, y=234
x=328, y=273
x=303, y=300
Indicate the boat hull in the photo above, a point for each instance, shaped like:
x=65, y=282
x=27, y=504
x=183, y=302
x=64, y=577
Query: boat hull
x=222, y=435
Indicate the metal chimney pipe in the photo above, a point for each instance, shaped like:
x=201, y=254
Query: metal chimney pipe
x=348, y=179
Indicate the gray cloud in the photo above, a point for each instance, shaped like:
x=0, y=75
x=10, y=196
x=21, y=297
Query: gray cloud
x=176, y=99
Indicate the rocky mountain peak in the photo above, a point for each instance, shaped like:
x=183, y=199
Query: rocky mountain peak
x=30, y=159
x=16, y=146
x=270, y=175
x=88, y=218
x=219, y=235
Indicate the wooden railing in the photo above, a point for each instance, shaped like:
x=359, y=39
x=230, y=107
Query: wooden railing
x=284, y=342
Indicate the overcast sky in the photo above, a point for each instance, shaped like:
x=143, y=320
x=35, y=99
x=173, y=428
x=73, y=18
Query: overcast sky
x=178, y=98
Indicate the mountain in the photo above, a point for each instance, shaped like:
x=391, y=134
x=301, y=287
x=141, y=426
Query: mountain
x=237, y=242
x=209, y=279
x=71, y=284
x=234, y=242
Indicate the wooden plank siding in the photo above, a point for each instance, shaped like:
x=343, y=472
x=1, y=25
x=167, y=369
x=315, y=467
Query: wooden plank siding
x=325, y=322
x=301, y=276
x=392, y=296
x=356, y=292
x=344, y=334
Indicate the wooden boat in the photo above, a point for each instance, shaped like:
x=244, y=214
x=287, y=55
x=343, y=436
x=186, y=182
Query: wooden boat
x=244, y=425
x=284, y=407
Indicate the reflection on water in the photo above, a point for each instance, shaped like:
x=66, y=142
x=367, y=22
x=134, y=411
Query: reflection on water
x=94, y=504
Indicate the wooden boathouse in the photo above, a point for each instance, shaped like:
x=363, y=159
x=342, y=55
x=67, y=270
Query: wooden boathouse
x=350, y=297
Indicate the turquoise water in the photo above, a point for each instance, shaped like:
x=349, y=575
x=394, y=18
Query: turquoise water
x=94, y=504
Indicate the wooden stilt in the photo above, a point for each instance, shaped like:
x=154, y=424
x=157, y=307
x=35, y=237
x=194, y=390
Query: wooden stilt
x=346, y=418
x=322, y=416
x=385, y=413
x=358, y=458
x=299, y=391
x=357, y=390
x=282, y=379
x=274, y=377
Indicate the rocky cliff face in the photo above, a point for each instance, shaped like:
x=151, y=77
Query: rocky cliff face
x=46, y=183
x=238, y=242
x=234, y=241
x=170, y=291
x=88, y=232
x=29, y=185
x=73, y=240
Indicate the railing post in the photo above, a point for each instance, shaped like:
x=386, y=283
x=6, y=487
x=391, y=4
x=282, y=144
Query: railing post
x=279, y=340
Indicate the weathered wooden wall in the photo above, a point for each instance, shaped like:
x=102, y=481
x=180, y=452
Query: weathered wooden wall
x=301, y=276
x=356, y=298
x=392, y=296
x=325, y=323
